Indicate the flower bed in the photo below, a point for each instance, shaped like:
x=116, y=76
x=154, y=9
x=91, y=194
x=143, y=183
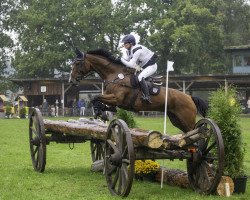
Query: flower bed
x=146, y=169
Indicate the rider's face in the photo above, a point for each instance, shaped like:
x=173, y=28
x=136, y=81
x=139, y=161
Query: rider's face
x=127, y=45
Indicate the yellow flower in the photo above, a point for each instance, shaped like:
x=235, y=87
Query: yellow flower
x=146, y=166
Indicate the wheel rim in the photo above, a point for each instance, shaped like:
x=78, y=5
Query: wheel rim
x=97, y=150
x=119, y=158
x=37, y=140
x=206, y=166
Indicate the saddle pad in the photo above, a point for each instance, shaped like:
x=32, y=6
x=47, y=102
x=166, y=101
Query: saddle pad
x=154, y=90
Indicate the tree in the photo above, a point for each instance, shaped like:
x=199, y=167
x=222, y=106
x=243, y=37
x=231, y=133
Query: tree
x=5, y=44
x=236, y=24
x=190, y=35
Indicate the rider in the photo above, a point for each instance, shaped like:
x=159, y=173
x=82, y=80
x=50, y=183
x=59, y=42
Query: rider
x=140, y=58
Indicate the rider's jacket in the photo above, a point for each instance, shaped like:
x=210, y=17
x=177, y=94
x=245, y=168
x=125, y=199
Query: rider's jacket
x=139, y=55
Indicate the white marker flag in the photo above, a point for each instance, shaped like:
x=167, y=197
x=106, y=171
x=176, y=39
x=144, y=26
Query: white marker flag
x=170, y=66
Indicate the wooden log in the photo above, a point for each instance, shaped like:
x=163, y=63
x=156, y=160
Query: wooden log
x=173, y=177
x=152, y=139
x=93, y=129
x=80, y=128
x=181, y=140
x=171, y=142
x=97, y=166
x=192, y=136
x=176, y=177
x=225, y=187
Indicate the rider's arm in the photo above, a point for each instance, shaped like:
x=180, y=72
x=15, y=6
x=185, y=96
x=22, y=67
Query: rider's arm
x=131, y=63
x=125, y=55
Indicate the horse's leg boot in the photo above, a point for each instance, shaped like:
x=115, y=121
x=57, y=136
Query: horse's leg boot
x=145, y=91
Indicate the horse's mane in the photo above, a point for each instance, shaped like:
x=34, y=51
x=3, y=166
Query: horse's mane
x=106, y=54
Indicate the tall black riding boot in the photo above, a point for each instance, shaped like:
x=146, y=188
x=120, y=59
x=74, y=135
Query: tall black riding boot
x=144, y=88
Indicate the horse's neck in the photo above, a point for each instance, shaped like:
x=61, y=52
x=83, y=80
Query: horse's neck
x=104, y=67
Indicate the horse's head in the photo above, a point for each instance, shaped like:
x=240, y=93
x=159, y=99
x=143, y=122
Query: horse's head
x=79, y=68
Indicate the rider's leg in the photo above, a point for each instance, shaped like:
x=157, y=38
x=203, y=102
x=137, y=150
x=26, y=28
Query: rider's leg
x=150, y=70
x=145, y=91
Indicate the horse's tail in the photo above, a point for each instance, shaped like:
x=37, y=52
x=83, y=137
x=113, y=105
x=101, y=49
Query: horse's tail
x=201, y=105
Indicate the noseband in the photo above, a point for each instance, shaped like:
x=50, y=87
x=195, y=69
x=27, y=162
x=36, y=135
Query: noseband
x=81, y=65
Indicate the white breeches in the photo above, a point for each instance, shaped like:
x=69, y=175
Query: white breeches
x=148, y=71
x=82, y=111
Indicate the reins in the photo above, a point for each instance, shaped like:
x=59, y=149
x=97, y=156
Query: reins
x=106, y=83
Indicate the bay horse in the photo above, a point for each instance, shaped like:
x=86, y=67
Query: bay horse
x=118, y=91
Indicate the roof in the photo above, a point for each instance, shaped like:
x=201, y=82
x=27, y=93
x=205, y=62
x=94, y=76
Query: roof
x=237, y=48
x=3, y=97
x=23, y=98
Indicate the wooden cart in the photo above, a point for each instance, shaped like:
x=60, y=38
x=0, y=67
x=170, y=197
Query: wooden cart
x=120, y=146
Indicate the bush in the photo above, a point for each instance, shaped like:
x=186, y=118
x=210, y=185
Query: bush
x=225, y=109
x=127, y=116
x=23, y=112
x=8, y=110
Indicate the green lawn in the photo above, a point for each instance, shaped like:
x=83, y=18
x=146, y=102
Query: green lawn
x=67, y=174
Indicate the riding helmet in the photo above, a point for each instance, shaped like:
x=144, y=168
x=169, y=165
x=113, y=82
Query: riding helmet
x=129, y=39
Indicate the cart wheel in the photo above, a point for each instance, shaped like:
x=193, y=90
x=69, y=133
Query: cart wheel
x=119, y=158
x=37, y=140
x=97, y=150
x=206, y=165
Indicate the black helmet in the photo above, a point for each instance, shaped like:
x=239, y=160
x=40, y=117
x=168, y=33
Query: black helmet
x=129, y=39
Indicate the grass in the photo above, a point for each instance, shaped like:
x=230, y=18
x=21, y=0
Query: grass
x=67, y=174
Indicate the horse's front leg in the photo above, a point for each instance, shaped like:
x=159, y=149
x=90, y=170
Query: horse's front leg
x=108, y=99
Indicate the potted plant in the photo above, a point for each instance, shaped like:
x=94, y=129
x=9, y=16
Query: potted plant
x=225, y=109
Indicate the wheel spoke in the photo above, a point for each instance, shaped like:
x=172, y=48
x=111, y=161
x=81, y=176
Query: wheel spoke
x=37, y=159
x=121, y=142
x=114, y=134
x=120, y=182
x=115, y=178
x=35, y=151
x=112, y=170
x=126, y=161
x=112, y=145
x=209, y=148
x=125, y=151
x=125, y=171
x=94, y=148
x=34, y=130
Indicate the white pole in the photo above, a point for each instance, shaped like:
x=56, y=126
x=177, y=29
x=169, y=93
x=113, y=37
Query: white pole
x=165, y=120
x=166, y=103
x=169, y=68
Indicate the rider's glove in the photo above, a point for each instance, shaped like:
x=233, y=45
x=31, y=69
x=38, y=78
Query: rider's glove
x=137, y=68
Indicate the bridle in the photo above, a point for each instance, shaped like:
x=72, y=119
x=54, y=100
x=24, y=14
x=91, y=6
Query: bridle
x=79, y=66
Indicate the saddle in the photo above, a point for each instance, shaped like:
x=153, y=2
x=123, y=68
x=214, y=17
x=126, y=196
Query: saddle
x=153, y=82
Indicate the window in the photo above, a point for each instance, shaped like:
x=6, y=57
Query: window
x=237, y=61
x=247, y=61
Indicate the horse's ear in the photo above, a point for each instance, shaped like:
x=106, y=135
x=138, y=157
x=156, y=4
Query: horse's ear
x=79, y=54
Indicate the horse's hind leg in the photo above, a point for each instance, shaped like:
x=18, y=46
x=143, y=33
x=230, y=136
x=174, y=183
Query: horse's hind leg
x=183, y=119
x=177, y=122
